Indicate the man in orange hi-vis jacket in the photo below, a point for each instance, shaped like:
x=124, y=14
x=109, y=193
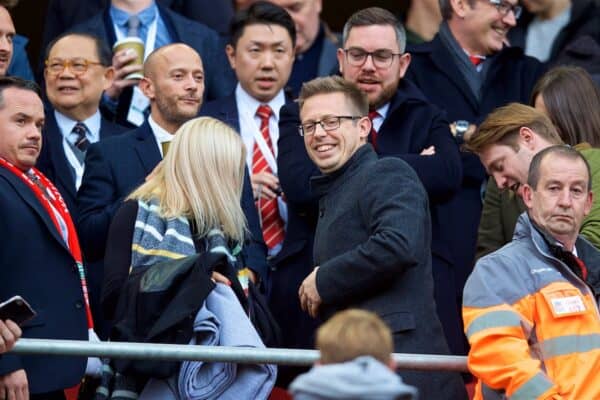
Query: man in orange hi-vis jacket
x=529, y=309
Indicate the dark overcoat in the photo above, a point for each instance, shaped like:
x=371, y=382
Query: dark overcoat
x=372, y=247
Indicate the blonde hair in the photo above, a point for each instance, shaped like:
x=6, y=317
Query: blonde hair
x=201, y=178
x=353, y=333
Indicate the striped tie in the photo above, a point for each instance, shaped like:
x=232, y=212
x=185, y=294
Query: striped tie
x=80, y=139
x=271, y=222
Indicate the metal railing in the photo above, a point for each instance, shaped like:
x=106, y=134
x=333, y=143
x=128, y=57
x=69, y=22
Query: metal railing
x=243, y=355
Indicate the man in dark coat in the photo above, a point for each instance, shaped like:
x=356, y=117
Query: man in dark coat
x=372, y=243
x=407, y=126
x=468, y=71
x=39, y=256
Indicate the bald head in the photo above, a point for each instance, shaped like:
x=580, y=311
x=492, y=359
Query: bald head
x=174, y=83
x=162, y=57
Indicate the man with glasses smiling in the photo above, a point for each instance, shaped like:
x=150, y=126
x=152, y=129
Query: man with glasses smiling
x=77, y=72
x=468, y=70
x=405, y=125
x=372, y=241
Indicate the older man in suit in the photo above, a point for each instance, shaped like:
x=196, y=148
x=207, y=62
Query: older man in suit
x=174, y=83
x=77, y=72
x=40, y=255
x=156, y=26
x=372, y=243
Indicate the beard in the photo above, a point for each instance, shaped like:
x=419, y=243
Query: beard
x=170, y=110
x=382, y=97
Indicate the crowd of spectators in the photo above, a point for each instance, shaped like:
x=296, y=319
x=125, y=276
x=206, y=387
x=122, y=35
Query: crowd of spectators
x=432, y=164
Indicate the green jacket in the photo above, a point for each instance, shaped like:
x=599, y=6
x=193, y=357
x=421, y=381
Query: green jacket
x=502, y=208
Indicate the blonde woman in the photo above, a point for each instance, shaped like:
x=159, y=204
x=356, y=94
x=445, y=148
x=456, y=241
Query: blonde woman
x=194, y=192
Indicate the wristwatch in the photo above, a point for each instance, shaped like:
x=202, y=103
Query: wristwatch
x=460, y=128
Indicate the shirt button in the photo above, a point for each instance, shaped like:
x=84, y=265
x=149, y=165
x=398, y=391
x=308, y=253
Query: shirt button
x=78, y=304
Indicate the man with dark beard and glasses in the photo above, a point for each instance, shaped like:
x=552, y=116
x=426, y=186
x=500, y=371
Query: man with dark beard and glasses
x=174, y=82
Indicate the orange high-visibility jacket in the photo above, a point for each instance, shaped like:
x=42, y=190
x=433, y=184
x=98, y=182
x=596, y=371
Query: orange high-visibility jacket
x=533, y=325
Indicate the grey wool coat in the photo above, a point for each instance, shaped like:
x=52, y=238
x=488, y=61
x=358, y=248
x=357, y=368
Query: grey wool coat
x=372, y=246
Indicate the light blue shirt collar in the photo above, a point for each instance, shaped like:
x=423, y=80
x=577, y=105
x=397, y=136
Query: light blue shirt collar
x=66, y=125
x=120, y=17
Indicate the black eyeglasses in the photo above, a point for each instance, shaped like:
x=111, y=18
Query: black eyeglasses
x=381, y=58
x=77, y=66
x=328, y=123
x=504, y=7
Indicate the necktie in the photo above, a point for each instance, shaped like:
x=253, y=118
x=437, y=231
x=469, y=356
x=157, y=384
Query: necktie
x=582, y=268
x=79, y=133
x=133, y=24
x=373, y=134
x=271, y=222
x=476, y=60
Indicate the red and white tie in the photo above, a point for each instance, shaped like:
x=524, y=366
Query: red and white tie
x=271, y=222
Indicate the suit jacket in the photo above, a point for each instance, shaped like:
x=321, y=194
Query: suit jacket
x=219, y=78
x=118, y=165
x=510, y=77
x=53, y=161
x=37, y=265
x=225, y=110
x=372, y=247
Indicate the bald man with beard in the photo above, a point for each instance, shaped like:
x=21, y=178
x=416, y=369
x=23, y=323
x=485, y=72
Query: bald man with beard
x=174, y=83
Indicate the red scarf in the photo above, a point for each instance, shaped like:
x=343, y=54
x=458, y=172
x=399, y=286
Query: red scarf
x=53, y=202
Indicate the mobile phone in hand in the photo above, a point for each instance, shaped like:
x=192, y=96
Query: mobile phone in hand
x=17, y=310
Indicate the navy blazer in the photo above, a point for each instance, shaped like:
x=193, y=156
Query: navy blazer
x=219, y=78
x=53, y=161
x=113, y=169
x=37, y=265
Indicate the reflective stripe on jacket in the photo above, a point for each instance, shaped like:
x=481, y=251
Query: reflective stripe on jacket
x=533, y=325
